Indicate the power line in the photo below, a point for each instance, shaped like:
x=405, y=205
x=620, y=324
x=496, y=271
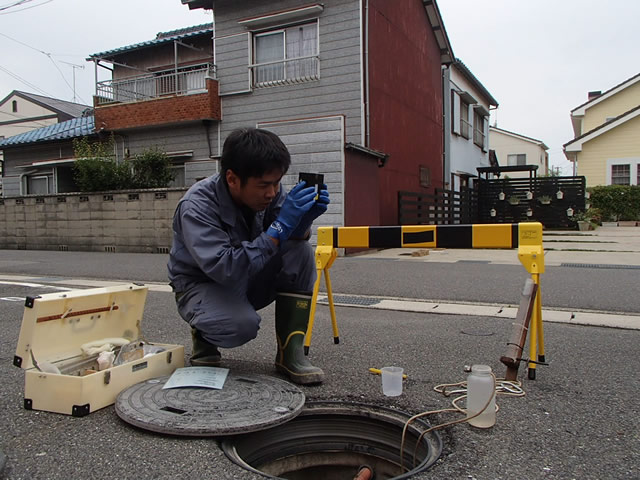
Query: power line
x=20, y=79
x=26, y=8
x=50, y=57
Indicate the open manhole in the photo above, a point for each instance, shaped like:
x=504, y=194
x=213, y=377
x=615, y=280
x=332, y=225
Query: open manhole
x=335, y=440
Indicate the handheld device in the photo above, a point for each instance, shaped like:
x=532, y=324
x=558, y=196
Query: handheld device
x=312, y=179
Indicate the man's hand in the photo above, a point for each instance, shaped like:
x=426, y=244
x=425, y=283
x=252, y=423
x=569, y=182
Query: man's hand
x=299, y=201
x=319, y=207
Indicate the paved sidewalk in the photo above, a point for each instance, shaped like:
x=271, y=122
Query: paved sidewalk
x=603, y=246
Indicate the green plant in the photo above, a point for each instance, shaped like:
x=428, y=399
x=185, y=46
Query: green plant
x=544, y=199
x=151, y=169
x=591, y=215
x=96, y=168
x=616, y=202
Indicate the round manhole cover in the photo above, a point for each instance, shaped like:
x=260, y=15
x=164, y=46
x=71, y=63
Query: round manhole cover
x=246, y=403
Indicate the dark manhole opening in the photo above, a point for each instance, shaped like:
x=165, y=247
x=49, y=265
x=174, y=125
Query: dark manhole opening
x=334, y=440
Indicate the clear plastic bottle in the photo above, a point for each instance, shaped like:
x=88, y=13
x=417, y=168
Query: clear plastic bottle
x=480, y=387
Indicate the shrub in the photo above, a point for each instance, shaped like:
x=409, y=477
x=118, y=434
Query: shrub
x=96, y=168
x=616, y=202
x=151, y=169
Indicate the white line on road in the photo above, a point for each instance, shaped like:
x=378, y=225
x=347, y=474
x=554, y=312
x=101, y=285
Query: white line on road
x=598, y=319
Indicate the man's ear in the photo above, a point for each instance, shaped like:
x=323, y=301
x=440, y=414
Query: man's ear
x=232, y=179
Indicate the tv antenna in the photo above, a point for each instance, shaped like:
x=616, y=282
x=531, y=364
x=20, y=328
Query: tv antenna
x=73, y=66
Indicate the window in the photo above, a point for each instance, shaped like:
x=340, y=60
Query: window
x=517, y=159
x=425, y=176
x=620, y=174
x=288, y=55
x=38, y=185
x=465, y=126
x=478, y=128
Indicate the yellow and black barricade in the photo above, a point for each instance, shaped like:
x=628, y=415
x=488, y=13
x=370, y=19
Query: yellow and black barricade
x=526, y=237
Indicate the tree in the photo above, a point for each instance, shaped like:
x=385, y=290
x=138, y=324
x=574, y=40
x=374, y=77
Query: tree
x=151, y=169
x=96, y=168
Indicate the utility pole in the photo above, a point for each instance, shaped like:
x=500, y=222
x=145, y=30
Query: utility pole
x=73, y=66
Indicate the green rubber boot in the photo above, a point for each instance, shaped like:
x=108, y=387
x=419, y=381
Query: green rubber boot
x=292, y=318
x=203, y=354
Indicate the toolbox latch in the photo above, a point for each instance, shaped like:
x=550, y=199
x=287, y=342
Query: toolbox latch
x=29, y=301
x=169, y=357
x=81, y=410
x=107, y=377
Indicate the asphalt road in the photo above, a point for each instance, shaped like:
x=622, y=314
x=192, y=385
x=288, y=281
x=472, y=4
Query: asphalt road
x=577, y=420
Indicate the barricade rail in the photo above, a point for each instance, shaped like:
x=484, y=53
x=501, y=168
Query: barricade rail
x=525, y=236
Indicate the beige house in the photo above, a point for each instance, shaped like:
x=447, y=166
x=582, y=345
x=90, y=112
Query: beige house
x=606, y=147
x=513, y=149
x=22, y=112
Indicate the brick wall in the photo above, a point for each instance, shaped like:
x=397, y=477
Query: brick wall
x=161, y=111
x=123, y=221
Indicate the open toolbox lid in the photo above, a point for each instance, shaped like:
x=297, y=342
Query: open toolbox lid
x=56, y=325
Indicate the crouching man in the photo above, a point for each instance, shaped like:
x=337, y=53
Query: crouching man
x=239, y=243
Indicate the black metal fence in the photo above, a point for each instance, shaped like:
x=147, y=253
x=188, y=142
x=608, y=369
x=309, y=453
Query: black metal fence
x=551, y=201
x=548, y=200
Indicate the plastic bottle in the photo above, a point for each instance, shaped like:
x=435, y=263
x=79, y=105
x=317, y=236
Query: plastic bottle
x=480, y=387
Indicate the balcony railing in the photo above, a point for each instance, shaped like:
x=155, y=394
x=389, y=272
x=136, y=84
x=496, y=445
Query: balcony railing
x=284, y=72
x=154, y=85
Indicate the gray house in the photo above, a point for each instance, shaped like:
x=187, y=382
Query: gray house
x=349, y=90
x=354, y=92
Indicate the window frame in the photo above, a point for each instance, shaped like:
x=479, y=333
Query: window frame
x=285, y=62
x=517, y=155
x=465, y=126
x=618, y=176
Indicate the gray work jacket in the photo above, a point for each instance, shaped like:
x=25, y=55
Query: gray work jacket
x=212, y=241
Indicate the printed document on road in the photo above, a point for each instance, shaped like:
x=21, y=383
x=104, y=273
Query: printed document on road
x=205, y=377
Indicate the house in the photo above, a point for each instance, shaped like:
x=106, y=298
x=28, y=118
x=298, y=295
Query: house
x=355, y=93
x=40, y=161
x=516, y=150
x=353, y=89
x=606, y=144
x=22, y=111
x=163, y=94
x=466, y=125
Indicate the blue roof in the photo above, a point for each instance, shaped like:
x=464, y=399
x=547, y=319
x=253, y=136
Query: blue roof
x=76, y=127
x=161, y=37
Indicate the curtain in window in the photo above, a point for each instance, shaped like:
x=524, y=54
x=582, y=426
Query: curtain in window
x=302, y=41
x=269, y=48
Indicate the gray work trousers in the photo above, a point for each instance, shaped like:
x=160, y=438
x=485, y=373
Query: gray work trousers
x=226, y=315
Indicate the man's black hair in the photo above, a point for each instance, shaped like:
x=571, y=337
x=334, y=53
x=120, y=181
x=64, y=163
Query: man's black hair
x=253, y=152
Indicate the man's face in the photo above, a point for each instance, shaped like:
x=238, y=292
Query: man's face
x=257, y=193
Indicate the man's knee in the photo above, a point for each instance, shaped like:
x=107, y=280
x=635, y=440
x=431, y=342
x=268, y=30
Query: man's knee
x=231, y=330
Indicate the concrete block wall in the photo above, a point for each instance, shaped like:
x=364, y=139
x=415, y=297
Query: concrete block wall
x=137, y=221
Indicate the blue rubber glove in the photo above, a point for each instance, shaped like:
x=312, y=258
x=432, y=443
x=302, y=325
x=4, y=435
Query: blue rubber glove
x=299, y=201
x=318, y=208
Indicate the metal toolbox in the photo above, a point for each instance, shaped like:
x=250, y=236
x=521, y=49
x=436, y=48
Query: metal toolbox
x=61, y=376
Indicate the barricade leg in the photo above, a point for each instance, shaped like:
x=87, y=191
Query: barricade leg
x=325, y=256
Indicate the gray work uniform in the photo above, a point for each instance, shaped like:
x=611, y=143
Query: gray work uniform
x=223, y=269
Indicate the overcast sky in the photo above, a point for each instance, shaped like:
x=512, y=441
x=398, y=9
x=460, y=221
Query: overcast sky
x=537, y=58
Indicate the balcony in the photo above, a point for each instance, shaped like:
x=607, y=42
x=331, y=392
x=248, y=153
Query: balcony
x=286, y=72
x=161, y=98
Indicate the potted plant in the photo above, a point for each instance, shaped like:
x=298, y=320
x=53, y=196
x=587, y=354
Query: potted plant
x=544, y=199
x=514, y=200
x=588, y=219
x=583, y=220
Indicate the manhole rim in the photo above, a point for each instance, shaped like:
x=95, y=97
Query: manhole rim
x=363, y=410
